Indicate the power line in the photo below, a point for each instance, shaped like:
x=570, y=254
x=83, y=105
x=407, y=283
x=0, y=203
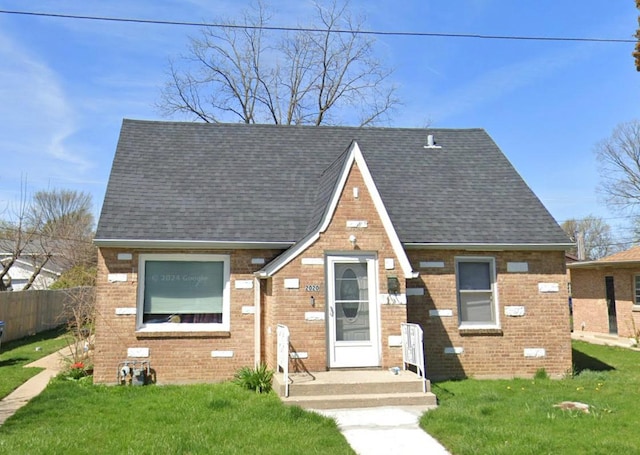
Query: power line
x=311, y=29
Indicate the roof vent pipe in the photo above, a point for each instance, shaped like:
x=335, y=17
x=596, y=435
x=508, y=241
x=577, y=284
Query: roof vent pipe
x=430, y=141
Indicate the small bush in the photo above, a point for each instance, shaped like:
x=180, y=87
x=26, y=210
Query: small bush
x=76, y=371
x=258, y=379
x=541, y=373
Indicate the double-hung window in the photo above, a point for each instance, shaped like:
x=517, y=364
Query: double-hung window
x=637, y=292
x=183, y=292
x=477, y=296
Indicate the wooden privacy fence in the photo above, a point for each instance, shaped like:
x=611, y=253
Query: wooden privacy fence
x=28, y=312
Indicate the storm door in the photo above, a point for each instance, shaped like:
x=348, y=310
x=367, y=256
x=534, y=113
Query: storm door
x=352, y=311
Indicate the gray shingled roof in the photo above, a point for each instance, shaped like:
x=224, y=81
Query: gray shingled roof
x=267, y=183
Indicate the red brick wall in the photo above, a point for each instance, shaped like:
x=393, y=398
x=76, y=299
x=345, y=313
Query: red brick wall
x=494, y=353
x=590, y=311
x=288, y=306
x=187, y=357
x=177, y=357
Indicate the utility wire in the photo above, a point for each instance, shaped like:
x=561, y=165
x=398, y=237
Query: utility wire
x=311, y=29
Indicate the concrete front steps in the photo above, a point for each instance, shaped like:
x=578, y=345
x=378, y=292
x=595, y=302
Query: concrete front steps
x=343, y=389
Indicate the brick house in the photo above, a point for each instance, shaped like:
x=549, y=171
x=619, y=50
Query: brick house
x=606, y=294
x=212, y=234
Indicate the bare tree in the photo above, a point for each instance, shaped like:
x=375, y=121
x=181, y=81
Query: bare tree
x=55, y=228
x=67, y=226
x=243, y=72
x=619, y=162
x=79, y=312
x=596, y=233
x=16, y=237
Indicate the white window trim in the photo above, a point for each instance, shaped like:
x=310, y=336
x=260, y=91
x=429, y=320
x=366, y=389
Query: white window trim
x=636, y=304
x=494, y=292
x=225, y=326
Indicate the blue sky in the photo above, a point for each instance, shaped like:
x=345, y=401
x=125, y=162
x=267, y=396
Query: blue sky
x=66, y=85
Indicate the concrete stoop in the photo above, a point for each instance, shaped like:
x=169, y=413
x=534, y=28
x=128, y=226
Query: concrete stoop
x=344, y=389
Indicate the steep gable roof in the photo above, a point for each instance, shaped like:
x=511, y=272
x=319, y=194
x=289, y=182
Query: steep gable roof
x=330, y=196
x=194, y=182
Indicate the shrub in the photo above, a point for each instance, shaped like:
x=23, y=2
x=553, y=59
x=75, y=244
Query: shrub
x=541, y=373
x=258, y=379
x=76, y=371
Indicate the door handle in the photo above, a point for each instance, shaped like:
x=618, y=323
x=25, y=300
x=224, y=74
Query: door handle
x=331, y=311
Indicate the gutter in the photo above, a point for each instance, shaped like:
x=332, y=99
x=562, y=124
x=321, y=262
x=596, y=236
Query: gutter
x=490, y=246
x=602, y=264
x=191, y=244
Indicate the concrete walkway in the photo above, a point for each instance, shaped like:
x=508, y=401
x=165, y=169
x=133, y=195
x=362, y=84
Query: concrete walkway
x=385, y=430
x=52, y=365
x=605, y=339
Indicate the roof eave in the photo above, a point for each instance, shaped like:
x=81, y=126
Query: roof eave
x=603, y=264
x=190, y=244
x=489, y=246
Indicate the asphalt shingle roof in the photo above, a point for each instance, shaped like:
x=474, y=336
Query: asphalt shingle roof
x=271, y=183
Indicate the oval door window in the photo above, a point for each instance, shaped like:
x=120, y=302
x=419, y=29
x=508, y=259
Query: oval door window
x=350, y=290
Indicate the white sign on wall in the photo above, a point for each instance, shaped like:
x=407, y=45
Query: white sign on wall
x=548, y=287
x=138, y=352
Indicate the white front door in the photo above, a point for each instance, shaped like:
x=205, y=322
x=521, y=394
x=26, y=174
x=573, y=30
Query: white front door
x=352, y=309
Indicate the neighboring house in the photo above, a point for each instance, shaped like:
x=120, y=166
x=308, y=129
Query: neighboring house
x=22, y=270
x=213, y=234
x=24, y=267
x=606, y=294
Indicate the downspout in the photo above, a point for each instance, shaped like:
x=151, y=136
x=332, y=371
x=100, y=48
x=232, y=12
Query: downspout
x=257, y=321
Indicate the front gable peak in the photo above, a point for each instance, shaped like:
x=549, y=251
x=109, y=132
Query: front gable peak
x=337, y=174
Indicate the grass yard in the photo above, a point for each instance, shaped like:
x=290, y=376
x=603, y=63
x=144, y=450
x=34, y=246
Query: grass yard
x=15, y=354
x=517, y=416
x=474, y=417
x=79, y=418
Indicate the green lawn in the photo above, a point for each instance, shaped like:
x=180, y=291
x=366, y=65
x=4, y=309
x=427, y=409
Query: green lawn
x=15, y=354
x=517, y=416
x=78, y=418
x=474, y=417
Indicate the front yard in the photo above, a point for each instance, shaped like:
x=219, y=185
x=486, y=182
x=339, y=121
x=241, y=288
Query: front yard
x=77, y=417
x=474, y=417
x=519, y=417
x=14, y=355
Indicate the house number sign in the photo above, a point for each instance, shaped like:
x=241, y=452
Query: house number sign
x=312, y=288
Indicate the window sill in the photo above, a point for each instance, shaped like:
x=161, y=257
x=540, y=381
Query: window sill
x=480, y=331
x=635, y=308
x=182, y=334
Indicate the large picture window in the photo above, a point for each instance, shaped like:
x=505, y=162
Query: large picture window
x=477, y=300
x=183, y=292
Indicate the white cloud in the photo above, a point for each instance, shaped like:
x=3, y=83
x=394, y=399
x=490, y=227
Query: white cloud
x=38, y=118
x=35, y=110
